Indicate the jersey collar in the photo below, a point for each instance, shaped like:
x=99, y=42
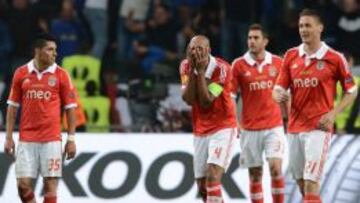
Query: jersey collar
x=50, y=69
x=319, y=54
x=250, y=60
x=211, y=67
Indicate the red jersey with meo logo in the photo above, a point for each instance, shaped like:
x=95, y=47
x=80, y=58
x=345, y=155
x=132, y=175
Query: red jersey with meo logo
x=41, y=96
x=222, y=113
x=255, y=81
x=312, y=81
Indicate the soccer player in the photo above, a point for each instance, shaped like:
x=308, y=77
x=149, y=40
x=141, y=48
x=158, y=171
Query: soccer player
x=311, y=71
x=206, y=85
x=254, y=74
x=42, y=88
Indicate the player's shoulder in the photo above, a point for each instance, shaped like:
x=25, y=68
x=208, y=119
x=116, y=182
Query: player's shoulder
x=292, y=51
x=184, y=65
x=221, y=61
x=238, y=60
x=22, y=70
x=184, y=62
x=60, y=70
x=334, y=55
x=276, y=58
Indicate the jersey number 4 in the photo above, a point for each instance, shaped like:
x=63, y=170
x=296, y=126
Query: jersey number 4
x=218, y=151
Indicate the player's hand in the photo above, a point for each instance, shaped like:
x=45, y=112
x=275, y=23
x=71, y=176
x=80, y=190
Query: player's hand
x=201, y=59
x=326, y=122
x=70, y=150
x=280, y=95
x=9, y=146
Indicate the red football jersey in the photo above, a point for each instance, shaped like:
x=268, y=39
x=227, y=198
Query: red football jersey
x=222, y=112
x=312, y=82
x=41, y=96
x=255, y=82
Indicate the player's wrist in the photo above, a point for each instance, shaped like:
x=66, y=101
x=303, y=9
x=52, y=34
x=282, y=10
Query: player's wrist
x=71, y=138
x=8, y=137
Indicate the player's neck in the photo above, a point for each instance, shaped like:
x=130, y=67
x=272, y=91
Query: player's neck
x=39, y=66
x=312, y=47
x=260, y=56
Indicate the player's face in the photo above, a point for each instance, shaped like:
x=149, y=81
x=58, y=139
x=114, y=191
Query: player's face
x=256, y=41
x=47, y=54
x=197, y=45
x=310, y=29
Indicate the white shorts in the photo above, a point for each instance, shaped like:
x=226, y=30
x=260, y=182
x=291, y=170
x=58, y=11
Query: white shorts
x=307, y=153
x=213, y=149
x=34, y=156
x=254, y=143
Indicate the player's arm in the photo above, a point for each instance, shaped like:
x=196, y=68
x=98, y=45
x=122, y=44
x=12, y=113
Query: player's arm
x=188, y=79
x=347, y=99
x=189, y=89
x=9, y=147
x=68, y=97
x=71, y=120
x=279, y=93
x=349, y=87
x=235, y=93
x=206, y=91
x=13, y=105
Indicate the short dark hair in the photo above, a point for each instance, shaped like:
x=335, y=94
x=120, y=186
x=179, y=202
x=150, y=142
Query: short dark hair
x=259, y=27
x=42, y=38
x=313, y=13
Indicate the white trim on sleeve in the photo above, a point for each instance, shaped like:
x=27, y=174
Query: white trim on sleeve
x=69, y=106
x=278, y=87
x=12, y=103
x=352, y=90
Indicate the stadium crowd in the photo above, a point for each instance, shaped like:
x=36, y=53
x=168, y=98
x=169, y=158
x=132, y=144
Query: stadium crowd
x=123, y=55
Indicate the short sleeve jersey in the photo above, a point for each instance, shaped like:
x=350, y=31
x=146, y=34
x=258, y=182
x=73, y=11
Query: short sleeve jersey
x=255, y=82
x=312, y=82
x=222, y=113
x=41, y=96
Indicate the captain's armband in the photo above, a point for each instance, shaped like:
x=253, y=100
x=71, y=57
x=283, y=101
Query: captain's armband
x=215, y=89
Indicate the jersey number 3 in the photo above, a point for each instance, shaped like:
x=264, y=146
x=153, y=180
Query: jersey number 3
x=54, y=164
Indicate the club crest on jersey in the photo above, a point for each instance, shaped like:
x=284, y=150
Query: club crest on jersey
x=294, y=66
x=272, y=71
x=320, y=65
x=26, y=80
x=52, y=81
x=247, y=74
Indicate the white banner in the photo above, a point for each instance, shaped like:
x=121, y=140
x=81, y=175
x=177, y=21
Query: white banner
x=131, y=168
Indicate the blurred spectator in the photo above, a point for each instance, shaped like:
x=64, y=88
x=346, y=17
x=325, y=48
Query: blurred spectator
x=345, y=22
x=237, y=15
x=160, y=41
x=132, y=16
x=173, y=113
x=68, y=31
x=96, y=14
x=23, y=25
x=184, y=18
x=207, y=22
x=5, y=47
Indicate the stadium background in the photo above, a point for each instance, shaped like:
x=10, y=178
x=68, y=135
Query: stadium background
x=123, y=57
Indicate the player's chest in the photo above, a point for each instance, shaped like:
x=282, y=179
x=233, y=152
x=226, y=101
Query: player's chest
x=250, y=75
x=45, y=87
x=312, y=69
